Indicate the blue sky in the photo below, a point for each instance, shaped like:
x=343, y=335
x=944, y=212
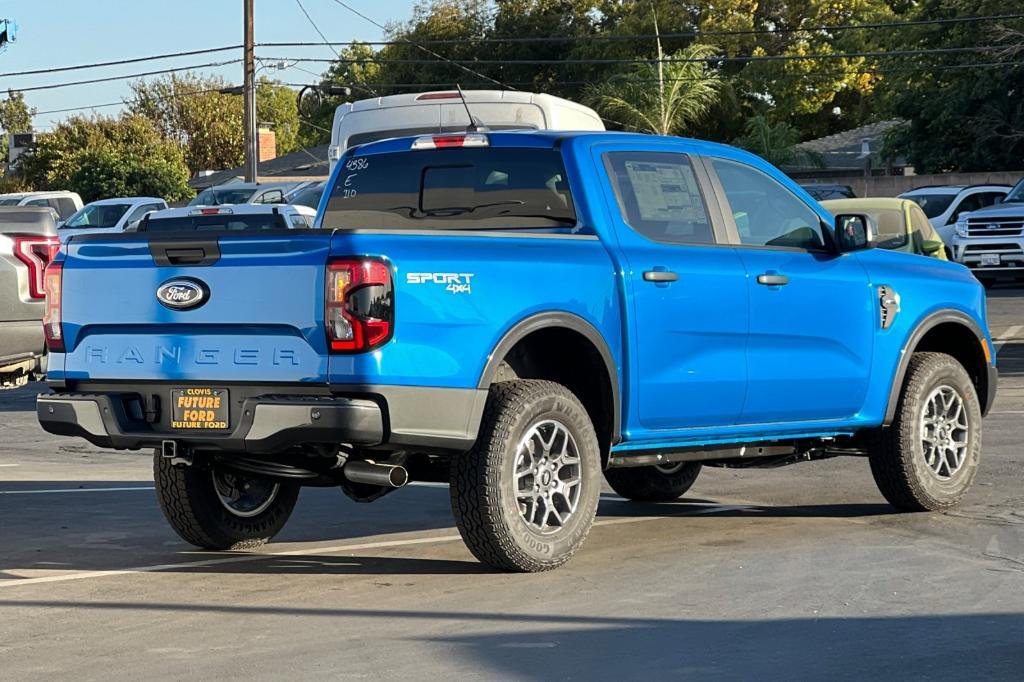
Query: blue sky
x=67, y=32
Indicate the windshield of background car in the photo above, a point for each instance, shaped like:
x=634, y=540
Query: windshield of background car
x=452, y=189
x=933, y=205
x=104, y=215
x=224, y=222
x=216, y=197
x=309, y=196
x=1016, y=195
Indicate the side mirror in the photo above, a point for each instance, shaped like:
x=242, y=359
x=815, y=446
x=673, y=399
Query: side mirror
x=932, y=247
x=854, y=232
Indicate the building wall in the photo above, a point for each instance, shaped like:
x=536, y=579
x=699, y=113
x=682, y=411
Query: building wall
x=893, y=185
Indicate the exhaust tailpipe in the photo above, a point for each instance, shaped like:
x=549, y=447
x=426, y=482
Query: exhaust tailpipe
x=371, y=473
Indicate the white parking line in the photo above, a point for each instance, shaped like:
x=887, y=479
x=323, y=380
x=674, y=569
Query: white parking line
x=71, y=490
x=1008, y=335
x=8, y=465
x=386, y=544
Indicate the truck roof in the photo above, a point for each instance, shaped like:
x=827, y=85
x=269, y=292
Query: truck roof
x=547, y=139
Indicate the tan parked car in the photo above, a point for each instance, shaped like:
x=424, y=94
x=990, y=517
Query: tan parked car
x=900, y=224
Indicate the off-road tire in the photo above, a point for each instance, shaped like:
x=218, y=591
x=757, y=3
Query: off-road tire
x=651, y=483
x=190, y=503
x=897, y=454
x=483, y=481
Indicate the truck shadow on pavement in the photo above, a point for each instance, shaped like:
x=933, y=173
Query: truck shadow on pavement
x=21, y=399
x=546, y=646
x=123, y=528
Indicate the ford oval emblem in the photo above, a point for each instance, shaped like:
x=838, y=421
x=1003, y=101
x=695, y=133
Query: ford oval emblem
x=182, y=294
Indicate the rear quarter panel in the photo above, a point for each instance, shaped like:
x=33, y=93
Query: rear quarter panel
x=444, y=336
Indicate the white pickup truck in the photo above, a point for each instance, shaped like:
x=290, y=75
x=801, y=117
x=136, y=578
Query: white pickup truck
x=28, y=242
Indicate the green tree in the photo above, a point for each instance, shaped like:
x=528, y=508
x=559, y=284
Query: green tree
x=206, y=121
x=104, y=157
x=15, y=117
x=355, y=71
x=776, y=143
x=662, y=98
x=958, y=119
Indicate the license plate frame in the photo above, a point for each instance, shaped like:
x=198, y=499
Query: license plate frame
x=989, y=259
x=200, y=408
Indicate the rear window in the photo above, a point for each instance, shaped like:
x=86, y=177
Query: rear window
x=216, y=197
x=452, y=189
x=216, y=223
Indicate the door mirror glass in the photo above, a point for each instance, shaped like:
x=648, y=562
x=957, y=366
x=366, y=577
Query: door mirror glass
x=854, y=232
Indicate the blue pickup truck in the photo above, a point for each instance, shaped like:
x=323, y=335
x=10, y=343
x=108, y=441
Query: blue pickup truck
x=516, y=314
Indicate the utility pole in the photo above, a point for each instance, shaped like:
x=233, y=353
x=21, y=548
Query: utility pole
x=252, y=153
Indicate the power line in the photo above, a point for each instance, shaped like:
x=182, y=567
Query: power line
x=321, y=34
x=666, y=36
x=53, y=86
x=666, y=60
x=781, y=76
x=424, y=49
x=119, y=62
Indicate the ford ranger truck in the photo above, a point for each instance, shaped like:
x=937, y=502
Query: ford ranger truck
x=517, y=314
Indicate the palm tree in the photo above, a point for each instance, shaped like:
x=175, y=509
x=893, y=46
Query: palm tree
x=665, y=97
x=776, y=143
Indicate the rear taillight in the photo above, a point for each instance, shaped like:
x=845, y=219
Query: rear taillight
x=360, y=312
x=36, y=252
x=52, y=327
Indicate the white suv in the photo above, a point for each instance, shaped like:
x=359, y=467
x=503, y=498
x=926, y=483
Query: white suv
x=64, y=204
x=990, y=241
x=943, y=204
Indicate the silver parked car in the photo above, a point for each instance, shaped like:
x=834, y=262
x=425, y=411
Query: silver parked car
x=28, y=242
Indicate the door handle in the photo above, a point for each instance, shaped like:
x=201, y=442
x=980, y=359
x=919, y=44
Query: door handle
x=772, y=279
x=660, y=276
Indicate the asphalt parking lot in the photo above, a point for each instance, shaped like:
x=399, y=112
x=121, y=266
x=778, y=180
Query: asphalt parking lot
x=797, y=572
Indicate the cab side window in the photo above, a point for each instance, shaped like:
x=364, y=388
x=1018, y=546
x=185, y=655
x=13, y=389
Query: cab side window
x=274, y=196
x=974, y=202
x=765, y=211
x=658, y=196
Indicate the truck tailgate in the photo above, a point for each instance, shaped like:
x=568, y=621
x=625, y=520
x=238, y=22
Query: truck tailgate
x=261, y=320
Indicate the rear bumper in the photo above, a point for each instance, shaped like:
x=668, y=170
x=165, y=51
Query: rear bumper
x=268, y=425
x=272, y=419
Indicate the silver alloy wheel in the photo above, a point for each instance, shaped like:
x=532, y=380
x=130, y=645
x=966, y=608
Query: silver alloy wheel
x=945, y=432
x=548, y=476
x=243, y=496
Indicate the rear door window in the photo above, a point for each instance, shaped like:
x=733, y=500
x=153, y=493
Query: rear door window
x=659, y=197
x=452, y=189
